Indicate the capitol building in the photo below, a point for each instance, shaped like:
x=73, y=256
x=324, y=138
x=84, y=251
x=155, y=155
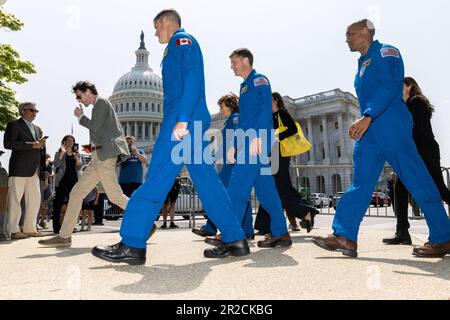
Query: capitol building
x=138, y=100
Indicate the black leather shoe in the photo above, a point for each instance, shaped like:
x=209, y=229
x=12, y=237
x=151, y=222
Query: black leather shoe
x=236, y=249
x=216, y=241
x=202, y=232
x=307, y=224
x=401, y=237
x=269, y=242
x=121, y=253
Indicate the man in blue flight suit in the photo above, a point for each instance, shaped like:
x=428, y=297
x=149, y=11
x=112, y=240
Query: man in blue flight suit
x=229, y=108
x=185, y=111
x=254, y=141
x=384, y=133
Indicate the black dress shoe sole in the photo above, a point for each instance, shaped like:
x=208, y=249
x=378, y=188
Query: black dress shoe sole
x=281, y=244
x=234, y=253
x=130, y=261
x=390, y=242
x=345, y=252
x=421, y=255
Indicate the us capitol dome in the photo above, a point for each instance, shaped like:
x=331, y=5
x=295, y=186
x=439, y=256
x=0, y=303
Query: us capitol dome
x=138, y=101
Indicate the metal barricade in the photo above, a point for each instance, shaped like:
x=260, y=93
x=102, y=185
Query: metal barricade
x=339, y=178
x=334, y=180
x=188, y=203
x=111, y=211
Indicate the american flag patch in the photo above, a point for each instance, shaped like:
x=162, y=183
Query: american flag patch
x=390, y=52
x=261, y=81
x=184, y=42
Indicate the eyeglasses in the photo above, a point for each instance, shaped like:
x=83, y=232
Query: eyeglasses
x=32, y=110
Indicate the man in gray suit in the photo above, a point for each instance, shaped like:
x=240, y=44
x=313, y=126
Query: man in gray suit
x=107, y=144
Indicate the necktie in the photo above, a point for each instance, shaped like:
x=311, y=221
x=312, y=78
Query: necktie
x=33, y=131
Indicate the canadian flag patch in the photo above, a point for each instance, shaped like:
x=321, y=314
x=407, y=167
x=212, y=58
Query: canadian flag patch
x=390, y=52
x=261, y=81
x=184, y=42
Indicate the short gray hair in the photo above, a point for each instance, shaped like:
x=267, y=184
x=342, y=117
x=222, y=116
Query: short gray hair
x=25, y=105
x=172, y=14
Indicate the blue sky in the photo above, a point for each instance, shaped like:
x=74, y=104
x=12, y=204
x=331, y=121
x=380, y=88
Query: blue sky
x=299, y=45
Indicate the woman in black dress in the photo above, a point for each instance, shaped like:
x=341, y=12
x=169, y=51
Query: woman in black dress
x=291, y=200
x=67, y=165
x=421, y=111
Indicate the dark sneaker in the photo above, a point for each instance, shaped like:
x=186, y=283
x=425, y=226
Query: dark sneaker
x=56, y=242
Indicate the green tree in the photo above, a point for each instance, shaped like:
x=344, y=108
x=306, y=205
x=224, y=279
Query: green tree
x=12, y=70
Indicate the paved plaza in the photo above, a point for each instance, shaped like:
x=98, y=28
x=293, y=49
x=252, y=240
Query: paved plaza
x=176, y=269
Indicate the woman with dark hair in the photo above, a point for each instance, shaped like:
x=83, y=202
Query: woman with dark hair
x=46, y=186
x=67, y=165
x=291, y=200
x=229, y=108
x=421, y=111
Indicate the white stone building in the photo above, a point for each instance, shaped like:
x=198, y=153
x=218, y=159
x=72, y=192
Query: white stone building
x=325, y=119
x=138, y=101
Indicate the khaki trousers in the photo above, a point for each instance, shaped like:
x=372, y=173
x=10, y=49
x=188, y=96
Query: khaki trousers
x=18, y=188
x=97, y=171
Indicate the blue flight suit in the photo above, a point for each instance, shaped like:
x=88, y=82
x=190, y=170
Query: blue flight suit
x=184, y=101
x=255, y=108
x=225, y=175
x=379, y=86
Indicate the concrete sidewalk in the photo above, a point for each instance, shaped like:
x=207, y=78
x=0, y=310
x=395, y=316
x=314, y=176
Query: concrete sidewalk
x=176, y=269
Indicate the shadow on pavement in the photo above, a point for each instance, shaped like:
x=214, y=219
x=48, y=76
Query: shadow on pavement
x=170, y=279
x=439, y=269
x=61, y=253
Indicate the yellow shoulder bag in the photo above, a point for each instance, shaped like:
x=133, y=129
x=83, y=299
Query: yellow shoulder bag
x=294, y=145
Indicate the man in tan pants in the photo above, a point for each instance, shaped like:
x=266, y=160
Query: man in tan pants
x=26, y=141
x=107, y=144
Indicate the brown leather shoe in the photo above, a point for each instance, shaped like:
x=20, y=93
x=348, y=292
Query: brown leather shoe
x=432, y=250
x=19, y=236
x=340, y=244
x=35, y=234
x=56, y=242
x=269, y=242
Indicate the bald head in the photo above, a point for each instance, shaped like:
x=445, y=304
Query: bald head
x=364, y=24
x=360, y=36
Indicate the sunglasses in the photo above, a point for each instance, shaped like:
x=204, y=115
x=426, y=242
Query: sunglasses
x=32, y=110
